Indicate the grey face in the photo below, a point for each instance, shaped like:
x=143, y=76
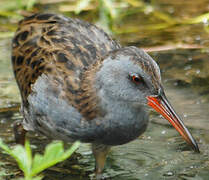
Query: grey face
x=126, y=76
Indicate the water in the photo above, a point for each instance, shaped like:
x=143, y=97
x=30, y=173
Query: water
x=160, y=153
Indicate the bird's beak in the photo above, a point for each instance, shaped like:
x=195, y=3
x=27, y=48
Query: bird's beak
x=161, y=105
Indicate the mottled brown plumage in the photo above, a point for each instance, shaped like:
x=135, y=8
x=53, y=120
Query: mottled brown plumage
x=77, y=83
x=43, y=44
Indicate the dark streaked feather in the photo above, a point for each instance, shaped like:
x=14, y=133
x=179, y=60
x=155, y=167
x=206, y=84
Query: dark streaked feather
x=62, y=48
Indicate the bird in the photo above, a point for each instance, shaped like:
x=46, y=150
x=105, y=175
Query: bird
x=79, y=84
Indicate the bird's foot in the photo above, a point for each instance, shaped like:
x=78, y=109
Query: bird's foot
x=19, y=132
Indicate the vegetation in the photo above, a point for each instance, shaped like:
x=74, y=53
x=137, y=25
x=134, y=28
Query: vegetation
x=33, y=166
x=110, y=12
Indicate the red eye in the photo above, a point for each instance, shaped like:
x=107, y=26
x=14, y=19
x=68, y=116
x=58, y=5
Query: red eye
x=136, y=79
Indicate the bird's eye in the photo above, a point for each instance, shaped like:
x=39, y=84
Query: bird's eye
x=136, y=79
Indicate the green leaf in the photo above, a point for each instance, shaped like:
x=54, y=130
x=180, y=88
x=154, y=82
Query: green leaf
x=19, y=154
x=53, y=154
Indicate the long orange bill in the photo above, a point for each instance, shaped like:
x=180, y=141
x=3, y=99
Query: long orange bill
x=161, y=105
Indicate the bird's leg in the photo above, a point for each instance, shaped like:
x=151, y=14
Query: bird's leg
x=19, y=132
x=100, y=152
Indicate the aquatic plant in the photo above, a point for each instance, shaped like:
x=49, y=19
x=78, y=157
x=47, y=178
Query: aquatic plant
x=33, y=166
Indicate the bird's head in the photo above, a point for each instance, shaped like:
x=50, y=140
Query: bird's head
x=130, y=75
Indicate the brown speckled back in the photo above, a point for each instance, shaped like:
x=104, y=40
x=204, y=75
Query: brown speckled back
x=61, y=48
